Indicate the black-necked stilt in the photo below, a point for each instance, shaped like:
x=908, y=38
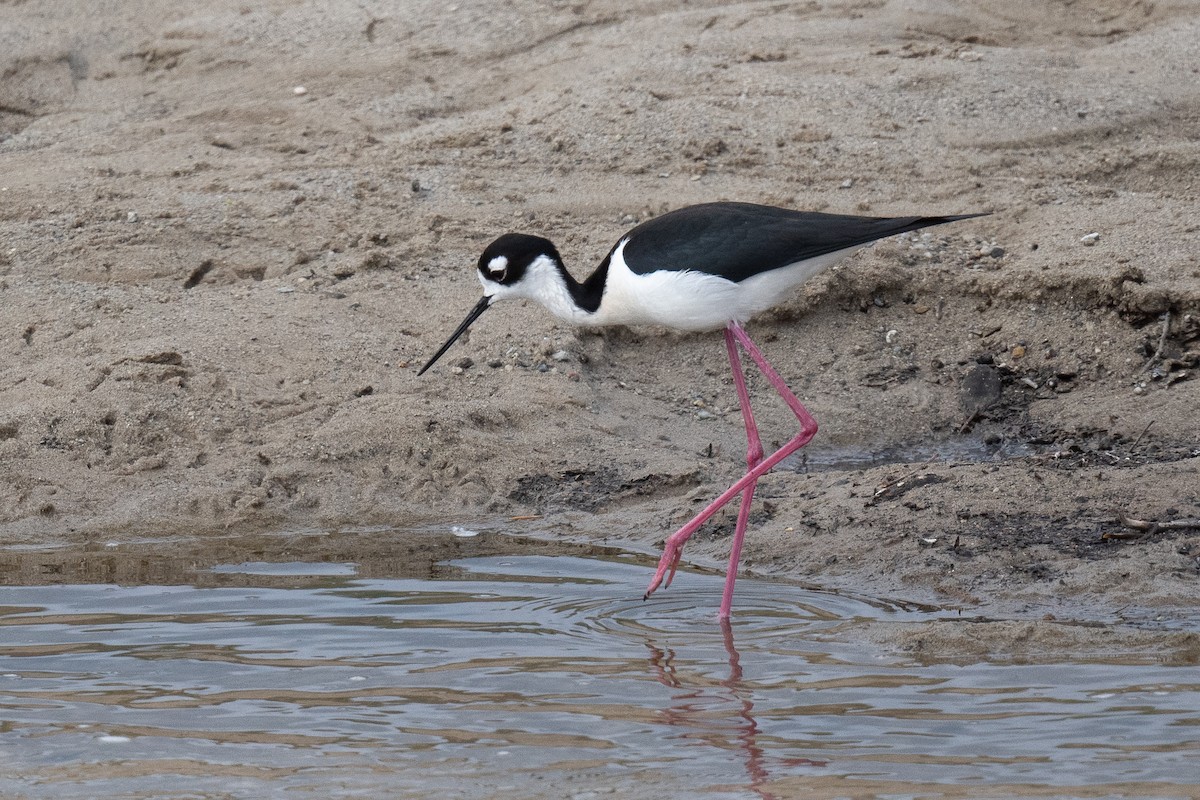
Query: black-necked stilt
x=699, y=268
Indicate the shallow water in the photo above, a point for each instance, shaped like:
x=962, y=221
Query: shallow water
x=967, y=449
x=524, y=675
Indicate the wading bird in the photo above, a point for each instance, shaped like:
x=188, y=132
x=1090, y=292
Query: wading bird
x=699, y=268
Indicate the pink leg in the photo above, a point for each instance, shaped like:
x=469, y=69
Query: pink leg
x=754, y=454
x=673, y=548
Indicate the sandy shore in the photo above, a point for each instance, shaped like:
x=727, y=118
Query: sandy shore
x=229, y=237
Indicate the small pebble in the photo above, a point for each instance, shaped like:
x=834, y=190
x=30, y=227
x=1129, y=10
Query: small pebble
x=560, y=355
x=846, y=184
x=1018, y=352
x=132, y=216
x=465, y=363
x=299, y=91
x=1090, y=239
x=891, y=336
x=286, y=289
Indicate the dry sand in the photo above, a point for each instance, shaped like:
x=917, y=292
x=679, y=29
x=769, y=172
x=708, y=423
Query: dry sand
x=216, y=287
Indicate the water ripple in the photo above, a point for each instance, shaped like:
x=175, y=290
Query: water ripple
x=516, y=675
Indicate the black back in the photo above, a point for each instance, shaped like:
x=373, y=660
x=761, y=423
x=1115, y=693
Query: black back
x=740, y=240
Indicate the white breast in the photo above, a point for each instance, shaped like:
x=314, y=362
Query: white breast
x=690, y=301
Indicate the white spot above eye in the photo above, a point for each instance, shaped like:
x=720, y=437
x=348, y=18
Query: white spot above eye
x=497, y=265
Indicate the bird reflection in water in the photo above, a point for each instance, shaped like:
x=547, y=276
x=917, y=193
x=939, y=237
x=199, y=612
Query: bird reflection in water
x=700, y=706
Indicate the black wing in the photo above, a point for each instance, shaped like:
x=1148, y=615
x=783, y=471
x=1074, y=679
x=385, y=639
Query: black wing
x=740, y=240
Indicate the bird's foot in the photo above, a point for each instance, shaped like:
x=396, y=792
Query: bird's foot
x=667, y=565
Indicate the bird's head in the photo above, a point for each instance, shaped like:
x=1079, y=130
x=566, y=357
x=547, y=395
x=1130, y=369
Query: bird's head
x=516, y=265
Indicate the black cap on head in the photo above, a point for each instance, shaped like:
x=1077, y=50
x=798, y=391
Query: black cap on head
x=505, y=260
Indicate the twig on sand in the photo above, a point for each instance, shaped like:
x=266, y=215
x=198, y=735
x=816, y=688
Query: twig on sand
x=898, y=486
x=1145, y=527
x=1138, y=440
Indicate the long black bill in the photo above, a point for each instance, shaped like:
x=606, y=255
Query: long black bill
x=479, y=308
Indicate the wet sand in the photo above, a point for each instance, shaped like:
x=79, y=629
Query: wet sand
x=229, y=237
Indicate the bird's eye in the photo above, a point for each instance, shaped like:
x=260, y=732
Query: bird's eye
x=498, y=268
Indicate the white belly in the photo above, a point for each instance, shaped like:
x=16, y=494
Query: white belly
x=697, y=301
